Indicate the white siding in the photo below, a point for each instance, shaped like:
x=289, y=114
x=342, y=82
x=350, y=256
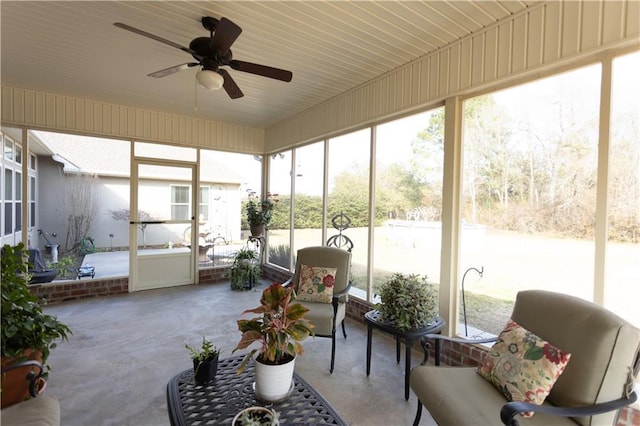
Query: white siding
x=52, y=112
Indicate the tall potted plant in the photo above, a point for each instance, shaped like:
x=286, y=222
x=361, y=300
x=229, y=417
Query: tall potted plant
x=259, y=212
x=245, y=269
x=26, y=331
x=279, y=328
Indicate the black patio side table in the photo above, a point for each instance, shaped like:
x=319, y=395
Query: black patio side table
x=374, y=320
x=217, y=402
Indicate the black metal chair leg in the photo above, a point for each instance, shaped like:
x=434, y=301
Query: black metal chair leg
x=344, y=330
x=416, y=421
x=333, y=350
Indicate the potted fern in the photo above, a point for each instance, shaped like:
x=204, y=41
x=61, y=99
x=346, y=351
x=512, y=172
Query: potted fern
x=278, y=329
x=205, y=361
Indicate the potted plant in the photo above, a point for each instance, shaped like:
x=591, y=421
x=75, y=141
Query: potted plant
x=205, y=361
x=279, y=328
x=256, y=416
x=408, y=301
x=26, y=331
x=245, y=269
x=259, y=212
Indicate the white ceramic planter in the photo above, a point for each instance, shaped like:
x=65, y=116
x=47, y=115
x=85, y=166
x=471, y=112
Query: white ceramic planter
x=273, y=382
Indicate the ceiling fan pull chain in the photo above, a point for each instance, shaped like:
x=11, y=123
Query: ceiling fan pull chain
x=195, y=95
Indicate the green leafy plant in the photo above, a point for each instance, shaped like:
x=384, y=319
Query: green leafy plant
x=279, y=328
x=24, y=324
x=206, y=352
x=245, y=268
x=259, y=212
x=66, y=266
x=408, y=301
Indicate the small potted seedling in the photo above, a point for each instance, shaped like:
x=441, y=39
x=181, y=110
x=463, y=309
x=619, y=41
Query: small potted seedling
x=256, y=416
x=205, y=361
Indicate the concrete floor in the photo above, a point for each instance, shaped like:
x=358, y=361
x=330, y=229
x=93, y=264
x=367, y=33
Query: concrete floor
x=124, y=349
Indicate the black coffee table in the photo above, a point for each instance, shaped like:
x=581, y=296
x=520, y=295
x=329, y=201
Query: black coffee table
x=217, y=402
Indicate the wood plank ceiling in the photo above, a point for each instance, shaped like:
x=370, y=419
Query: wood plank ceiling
x=73, y=48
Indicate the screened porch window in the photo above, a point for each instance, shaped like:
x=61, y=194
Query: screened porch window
x=180, y=202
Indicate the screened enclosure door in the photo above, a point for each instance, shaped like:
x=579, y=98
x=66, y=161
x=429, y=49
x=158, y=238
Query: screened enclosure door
x=162, y=206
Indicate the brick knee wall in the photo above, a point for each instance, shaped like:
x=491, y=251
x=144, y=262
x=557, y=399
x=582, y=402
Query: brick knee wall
x=66, y=291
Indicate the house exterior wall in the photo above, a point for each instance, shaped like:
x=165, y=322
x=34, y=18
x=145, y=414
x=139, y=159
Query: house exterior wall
x=112, y=193
x=545, y=37
x=51, y=218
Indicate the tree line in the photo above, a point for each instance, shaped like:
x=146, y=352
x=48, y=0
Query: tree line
x=515, y=177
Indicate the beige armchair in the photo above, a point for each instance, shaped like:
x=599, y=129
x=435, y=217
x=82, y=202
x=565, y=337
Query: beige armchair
x=596, y=383
x=328, y=315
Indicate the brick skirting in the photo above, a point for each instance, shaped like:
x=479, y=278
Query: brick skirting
x=85, y=288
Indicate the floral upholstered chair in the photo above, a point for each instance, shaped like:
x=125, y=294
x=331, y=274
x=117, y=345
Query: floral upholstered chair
x=322, y=284
x=560, y=360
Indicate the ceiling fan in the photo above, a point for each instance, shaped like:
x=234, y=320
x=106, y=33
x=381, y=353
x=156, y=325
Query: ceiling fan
x=211, y=53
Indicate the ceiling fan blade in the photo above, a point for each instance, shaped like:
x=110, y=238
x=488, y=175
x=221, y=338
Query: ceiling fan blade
x=172, y=70
x=262, y=70
x=155, y=37
x=226, y=33
x=230, y=85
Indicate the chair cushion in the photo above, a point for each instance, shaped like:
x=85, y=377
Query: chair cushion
x=321, y=316
x=523, y=366
x=459, y=396
x=316, y=284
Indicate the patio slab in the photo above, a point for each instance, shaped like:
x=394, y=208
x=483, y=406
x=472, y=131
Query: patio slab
x=124, y=349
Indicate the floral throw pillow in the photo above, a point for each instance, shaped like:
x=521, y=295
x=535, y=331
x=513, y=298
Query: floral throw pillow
x=522, y=365
x=316, y=283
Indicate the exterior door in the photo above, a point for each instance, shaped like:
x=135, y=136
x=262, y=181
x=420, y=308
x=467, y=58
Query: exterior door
x=163, y=202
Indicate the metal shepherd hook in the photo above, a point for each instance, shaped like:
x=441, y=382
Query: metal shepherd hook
x=464, y=304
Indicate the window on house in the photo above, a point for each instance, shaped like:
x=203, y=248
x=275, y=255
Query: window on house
x=32, y=162
x=32, y=201
x=180, y=202
x=8, y=149
x=408, y=195
x=18, y=202
x=529, y=193
x=8, y=201
x=18, y=154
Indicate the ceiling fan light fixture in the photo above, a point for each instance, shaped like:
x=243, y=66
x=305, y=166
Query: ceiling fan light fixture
x=209, y=79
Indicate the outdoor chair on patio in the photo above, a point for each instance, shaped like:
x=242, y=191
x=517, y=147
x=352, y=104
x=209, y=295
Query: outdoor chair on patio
x=322, y=284
x=38, y=271
x=593, y=354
